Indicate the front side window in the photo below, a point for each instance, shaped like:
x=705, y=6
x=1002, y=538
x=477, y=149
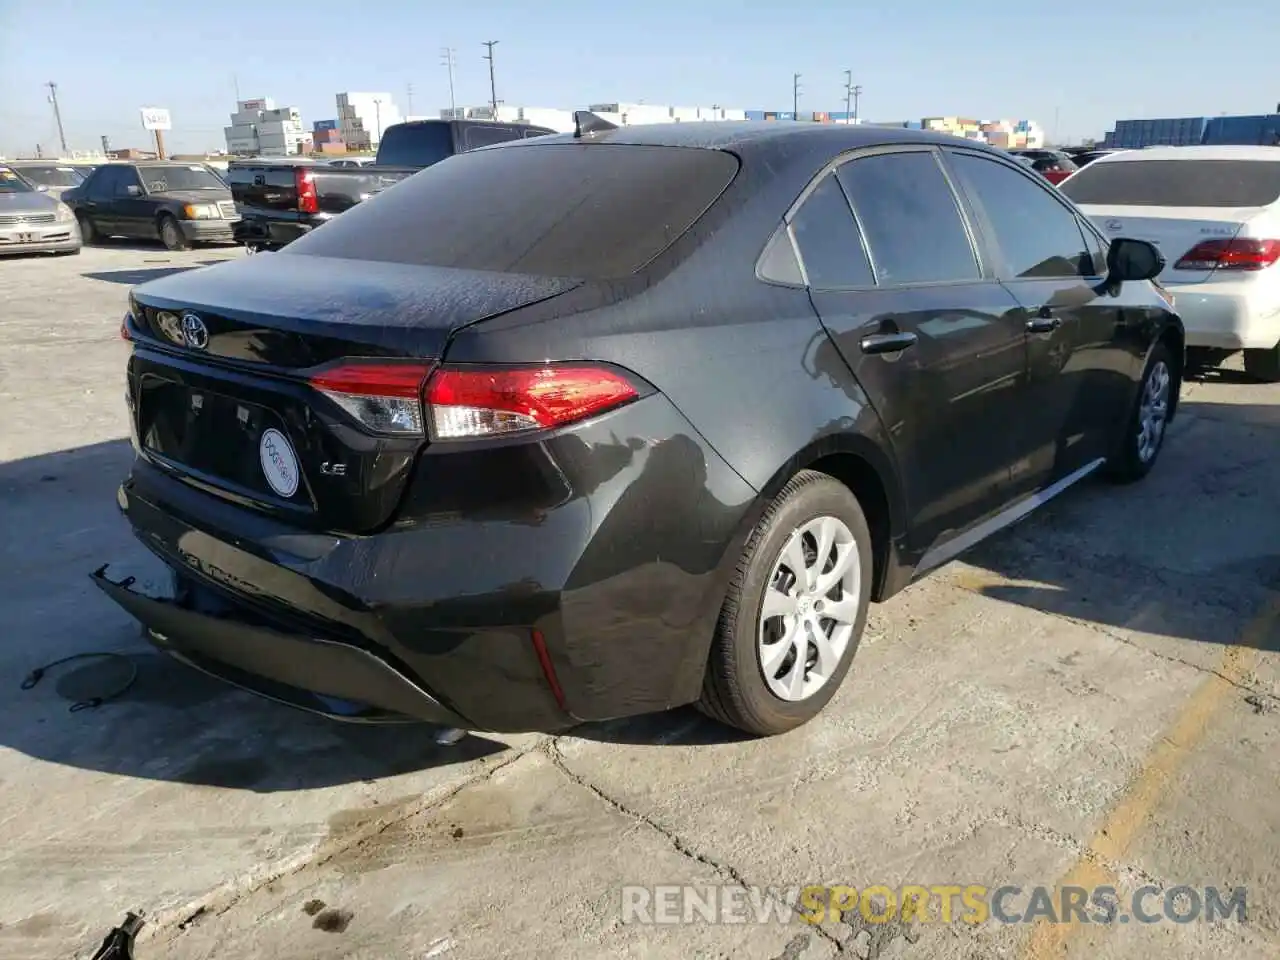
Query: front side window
x=1037, y=235
x=163, y=179
x=908, y=212
x=828, y=238
x=10, y=182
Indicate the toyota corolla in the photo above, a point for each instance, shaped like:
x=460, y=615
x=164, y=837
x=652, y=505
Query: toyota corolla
x=599, y=424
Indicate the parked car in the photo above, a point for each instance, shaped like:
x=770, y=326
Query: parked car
x=1214, y=212
x=1054, y=165
x=581, y=427
x=1085, y=157
x=49, y=176
x=180, y=204
x=281, y=201
x=33, y=221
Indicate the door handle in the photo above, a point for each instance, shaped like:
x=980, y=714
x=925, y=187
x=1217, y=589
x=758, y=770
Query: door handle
x=1045, y=322
x=888, y=342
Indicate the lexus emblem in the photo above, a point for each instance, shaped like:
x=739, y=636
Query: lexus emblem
x=194, y=333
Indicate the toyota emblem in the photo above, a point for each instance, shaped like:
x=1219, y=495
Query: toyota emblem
x=194, y=333
x=1114, y=225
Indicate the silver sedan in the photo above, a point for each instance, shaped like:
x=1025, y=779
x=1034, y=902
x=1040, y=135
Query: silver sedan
x=32, y=221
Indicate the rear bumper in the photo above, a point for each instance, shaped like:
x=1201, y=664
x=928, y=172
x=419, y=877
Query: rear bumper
x=590, y=592
x=1230, y=317
x=270, y=233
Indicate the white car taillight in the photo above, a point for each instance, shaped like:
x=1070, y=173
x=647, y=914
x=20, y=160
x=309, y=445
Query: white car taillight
x=384, y=396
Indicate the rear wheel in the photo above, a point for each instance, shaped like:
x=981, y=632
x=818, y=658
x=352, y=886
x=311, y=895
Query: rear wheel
x=171, y=234
x=88, y=232
x=795, y=610
x=1144, y=433
x=1263, y=364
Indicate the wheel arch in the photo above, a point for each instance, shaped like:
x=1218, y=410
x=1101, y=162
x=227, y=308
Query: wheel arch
x=869, y=472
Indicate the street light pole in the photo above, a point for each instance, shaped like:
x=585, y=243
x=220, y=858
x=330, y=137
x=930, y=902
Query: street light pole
x=848, y=96
x=493, y=86
x=377, y=121
x=795, y=96
x=857, y=93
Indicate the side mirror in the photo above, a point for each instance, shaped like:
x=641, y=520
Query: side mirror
x=133, y=190
x=1133, y=260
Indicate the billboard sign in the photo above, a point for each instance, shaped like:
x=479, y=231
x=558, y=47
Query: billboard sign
x=155, y=118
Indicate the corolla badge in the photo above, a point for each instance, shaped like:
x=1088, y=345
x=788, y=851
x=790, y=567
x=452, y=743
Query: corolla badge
x=194, y=333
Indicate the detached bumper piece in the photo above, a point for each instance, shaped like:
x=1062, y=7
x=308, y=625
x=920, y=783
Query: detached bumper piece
x=328, y=677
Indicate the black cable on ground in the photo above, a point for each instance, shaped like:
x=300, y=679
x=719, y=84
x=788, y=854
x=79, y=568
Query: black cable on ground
x=36, y=675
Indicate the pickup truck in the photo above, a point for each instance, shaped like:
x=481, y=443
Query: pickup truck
x=280, y=200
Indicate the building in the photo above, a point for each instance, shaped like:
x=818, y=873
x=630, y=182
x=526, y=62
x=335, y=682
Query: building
x=362, y=117
x=1008, y=134
x=631, y=114
x=261, y=129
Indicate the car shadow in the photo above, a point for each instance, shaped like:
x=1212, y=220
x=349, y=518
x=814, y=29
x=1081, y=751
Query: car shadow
x=173, y=723
x=143, y=274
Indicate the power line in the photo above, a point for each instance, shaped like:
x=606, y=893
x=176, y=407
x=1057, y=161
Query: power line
x=493, y=86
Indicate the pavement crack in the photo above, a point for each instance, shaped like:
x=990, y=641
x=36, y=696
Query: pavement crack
x=1159, y=655
x=217, y=902
x=725, y=871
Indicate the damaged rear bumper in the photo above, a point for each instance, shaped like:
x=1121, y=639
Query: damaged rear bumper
x=302, y=671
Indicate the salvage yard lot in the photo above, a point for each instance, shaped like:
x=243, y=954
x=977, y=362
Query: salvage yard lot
x=1091, y=698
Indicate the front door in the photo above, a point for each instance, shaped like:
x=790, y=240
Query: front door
x=100, y=194
x=132, y=210
x=938, y=347
x=1079, y=372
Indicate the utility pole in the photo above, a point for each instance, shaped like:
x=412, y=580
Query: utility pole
x=848, y=96
x=493, y=86
x=795, y=96
x=57, y=114
x=857, y=93
x=106, y=146
x=377, y=118
x=409, y=92
x=450, y=59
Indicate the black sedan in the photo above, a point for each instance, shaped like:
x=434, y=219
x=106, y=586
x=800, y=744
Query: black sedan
x=180, y=204
x=594, y=425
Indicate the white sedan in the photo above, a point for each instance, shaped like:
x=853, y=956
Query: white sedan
x=1214, y=212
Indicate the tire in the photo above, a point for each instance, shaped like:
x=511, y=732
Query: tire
x=1137, y=453
x=1263, y=365
x=736, y=689
x=88, y=232
x=171, y=234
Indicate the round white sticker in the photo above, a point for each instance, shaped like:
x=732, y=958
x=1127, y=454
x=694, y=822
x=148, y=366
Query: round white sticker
x=278, y=463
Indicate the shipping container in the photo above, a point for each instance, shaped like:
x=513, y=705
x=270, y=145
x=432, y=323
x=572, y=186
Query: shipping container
x=325, y=125
x=755, y=114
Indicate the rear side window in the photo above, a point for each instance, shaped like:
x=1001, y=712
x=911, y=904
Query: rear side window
x=829, y=242
x=1037, y=235
x=415, y=145
x=1177, y=183
x=479, y=136
x=909, y=216
x=593, y=211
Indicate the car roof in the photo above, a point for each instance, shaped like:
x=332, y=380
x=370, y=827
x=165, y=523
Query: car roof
x=1196, y=152
x=829, y=138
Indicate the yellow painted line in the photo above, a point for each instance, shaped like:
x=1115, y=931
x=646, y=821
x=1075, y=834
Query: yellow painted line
x=1124, y=823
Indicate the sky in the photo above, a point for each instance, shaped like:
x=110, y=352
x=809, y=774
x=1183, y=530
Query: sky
x=1074, y=67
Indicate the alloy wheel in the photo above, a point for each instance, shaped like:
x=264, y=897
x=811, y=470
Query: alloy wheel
x=1153, y=411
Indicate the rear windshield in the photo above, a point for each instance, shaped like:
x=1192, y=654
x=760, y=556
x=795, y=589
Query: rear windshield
x=1177, y=183
x=52, y=176
x=591, y=211
x=415, y=145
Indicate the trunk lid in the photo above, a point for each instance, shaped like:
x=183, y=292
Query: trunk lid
x=1174, y=230
x=218, y=377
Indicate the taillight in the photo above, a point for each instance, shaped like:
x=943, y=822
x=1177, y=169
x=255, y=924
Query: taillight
x=1238, y=253
x=386, y=397
x=304, y=182
x=124, y=329
x=486, y=402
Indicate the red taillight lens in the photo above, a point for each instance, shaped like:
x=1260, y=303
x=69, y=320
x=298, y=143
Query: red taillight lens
x=484, y=402
x=305, y=183
x=385, y=397
x=1238, y=253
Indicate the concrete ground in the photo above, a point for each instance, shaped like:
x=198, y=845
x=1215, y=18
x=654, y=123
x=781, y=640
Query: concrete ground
x=1091, y=699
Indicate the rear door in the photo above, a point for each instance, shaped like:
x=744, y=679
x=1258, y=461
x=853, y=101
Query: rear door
x=1181, y=205
x=895, y=277
x=1079, y=362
